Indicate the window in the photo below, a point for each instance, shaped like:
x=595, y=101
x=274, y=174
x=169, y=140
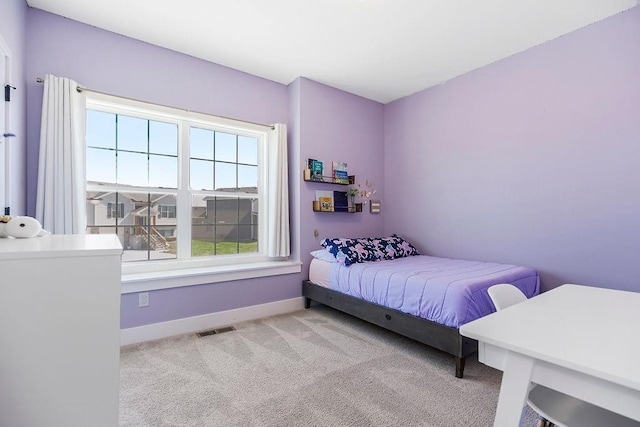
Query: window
x=167, y=211
x=115, y=210
x=173, y=185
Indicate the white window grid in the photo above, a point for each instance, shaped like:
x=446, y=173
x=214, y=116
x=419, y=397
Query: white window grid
x=185, y=120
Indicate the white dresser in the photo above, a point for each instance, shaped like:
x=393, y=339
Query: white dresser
x=60, y=331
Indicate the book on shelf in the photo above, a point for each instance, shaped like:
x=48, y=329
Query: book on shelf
x=340, y=174
x=326, y=204
x=326, y=200
x=317, y=169
x=340, y=201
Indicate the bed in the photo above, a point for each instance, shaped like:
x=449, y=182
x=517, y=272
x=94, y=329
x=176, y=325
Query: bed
x=421, y=297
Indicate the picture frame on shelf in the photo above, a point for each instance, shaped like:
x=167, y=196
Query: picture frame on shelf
x=325, y=200
x=326, y=204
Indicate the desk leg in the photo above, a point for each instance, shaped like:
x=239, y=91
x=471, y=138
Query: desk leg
x=514, y=389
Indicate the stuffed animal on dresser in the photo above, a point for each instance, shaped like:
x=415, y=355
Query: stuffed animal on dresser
x=21, y=227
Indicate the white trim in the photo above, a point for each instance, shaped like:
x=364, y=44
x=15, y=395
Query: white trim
x=208, y=321
x=117, y=104
x=161, y=274
x=4, y=47
x=139, y=282
x=4, y=50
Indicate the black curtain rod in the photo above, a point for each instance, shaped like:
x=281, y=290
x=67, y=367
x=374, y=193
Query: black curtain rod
x=80, y=89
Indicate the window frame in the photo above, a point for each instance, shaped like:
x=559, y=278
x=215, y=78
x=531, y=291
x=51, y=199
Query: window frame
x=119, y=210
x=168, y=211
x=185, y=270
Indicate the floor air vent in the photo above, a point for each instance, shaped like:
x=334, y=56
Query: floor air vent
x=215, y=331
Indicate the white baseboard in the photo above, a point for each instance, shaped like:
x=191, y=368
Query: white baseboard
x=208, y=321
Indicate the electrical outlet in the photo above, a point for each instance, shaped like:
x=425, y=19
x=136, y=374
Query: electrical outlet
x=143, y=299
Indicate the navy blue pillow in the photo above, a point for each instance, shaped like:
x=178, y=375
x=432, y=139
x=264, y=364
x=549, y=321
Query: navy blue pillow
x=392, y=247
x=349, y=251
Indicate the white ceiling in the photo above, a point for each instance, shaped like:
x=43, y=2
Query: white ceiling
x=379, y=49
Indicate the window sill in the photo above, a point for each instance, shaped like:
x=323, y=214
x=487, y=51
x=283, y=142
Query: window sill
x=140, y=282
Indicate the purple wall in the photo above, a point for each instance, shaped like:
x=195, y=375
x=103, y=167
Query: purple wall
x=13, y=31
x=531, y=160
x=107, y=62
x=334, y=125
x=114, y=64
x=322, y=121
x=295, y=183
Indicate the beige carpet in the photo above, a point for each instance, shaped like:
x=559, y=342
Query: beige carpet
x=314, y=367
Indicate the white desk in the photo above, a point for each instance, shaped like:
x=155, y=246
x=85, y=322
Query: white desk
x=579, y=340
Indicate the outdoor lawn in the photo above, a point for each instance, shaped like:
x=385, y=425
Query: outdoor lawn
x=204, y=248
x=201, y=248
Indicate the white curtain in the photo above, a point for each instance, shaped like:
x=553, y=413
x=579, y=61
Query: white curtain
x=61, y=191
x=278, y=244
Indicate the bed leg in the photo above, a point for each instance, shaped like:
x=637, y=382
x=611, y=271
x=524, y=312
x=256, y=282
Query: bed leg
x=460, y=366
x=307, y=302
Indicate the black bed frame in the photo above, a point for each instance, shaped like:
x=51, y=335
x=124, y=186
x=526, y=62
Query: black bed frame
x=433, y=334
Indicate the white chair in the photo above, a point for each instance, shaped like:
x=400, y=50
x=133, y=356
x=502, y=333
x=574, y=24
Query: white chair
x=554, y=407
x=504, y=295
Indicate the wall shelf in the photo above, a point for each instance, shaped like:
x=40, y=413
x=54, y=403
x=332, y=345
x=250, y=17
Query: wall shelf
x=354, y=209
x=306, y=176
x=329, y=180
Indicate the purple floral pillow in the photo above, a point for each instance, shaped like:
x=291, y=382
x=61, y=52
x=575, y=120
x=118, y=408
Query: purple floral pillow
x=349, y=251
x=392, y=247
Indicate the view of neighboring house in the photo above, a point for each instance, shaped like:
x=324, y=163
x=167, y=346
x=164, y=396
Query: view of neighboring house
x=145, y=221
x=142, y=220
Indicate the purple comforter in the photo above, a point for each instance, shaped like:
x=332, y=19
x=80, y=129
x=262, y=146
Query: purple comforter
x=447, y=291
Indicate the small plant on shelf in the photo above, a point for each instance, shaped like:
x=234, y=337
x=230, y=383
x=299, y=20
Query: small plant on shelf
x=353, y=192
x=364, y=191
